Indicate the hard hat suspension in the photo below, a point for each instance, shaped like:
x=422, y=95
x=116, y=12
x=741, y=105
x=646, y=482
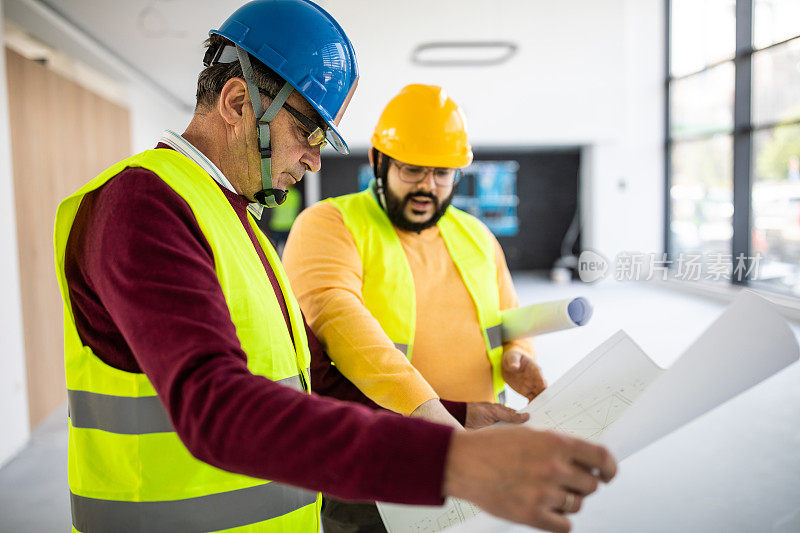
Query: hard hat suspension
x=268, y=196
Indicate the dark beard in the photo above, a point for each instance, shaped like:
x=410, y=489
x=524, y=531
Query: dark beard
x=395, y=207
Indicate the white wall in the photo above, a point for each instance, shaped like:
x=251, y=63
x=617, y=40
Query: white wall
x=151, y=112
x=13, y=393
x=587, y=73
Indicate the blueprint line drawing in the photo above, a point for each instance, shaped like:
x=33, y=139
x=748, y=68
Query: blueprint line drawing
x=590, y=422
x=408, y=519
x=595, y=392
x=583, y=402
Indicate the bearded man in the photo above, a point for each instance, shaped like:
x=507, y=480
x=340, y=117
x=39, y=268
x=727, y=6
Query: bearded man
x=405, y=291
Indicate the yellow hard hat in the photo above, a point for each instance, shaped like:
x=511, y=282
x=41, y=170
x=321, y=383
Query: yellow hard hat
x=423, y=126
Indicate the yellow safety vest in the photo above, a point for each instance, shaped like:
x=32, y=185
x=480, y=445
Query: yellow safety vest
x=388, y=284
x=128, y=470
x=283, y=216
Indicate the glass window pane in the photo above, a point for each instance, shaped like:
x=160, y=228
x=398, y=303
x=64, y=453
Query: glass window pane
x=701, y=199
x=776, y=84
x=775, y=21
x=776, y=207
x=702, y=104
x=703, y=32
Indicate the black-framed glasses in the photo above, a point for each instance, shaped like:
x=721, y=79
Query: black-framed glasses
x=315, y=134
x=442, y=176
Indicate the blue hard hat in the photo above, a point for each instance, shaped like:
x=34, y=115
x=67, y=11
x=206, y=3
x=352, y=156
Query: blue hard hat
x=305, y=46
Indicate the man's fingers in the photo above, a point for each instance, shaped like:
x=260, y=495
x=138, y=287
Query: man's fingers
x=562, y=501
x=553, y=521
x=593, y=457
x=512, y=360
x=534, y=381
x=538, y=386
x=506, y=414
x=513, y=417
x=580, y=481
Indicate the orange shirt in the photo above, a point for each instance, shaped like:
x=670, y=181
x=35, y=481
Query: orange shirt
x=449, y=358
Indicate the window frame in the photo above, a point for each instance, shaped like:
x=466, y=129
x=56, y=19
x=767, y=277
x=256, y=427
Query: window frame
x=742, y=133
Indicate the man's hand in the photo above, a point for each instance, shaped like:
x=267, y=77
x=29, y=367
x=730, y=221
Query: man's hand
x=522, y=374
x=482, y=414
x=524, y=475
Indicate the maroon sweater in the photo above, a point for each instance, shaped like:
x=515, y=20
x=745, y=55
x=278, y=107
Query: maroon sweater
x=146, y=299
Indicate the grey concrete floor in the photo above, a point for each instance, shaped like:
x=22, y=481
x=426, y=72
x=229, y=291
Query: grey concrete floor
x=34, y=496
x=734, y=470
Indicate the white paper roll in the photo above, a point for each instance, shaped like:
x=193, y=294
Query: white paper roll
x=537, y=319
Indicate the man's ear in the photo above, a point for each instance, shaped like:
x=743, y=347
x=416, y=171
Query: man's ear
x=373, y=153
x=232, y=101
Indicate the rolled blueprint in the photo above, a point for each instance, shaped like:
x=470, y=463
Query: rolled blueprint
x=545, y=317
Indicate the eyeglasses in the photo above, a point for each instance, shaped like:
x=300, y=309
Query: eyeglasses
x=314, y=134
x=443, y=177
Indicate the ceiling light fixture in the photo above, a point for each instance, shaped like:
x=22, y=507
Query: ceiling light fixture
x=463, y=53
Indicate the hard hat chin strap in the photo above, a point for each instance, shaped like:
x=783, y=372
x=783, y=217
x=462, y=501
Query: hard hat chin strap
x=268, y=196
x=380, y=167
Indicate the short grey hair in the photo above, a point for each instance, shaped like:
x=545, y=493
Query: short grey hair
x=214, y=77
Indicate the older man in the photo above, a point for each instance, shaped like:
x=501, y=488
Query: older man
x=186, y=353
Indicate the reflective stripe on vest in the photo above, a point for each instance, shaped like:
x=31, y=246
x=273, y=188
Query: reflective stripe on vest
x=128, y=470
x=388, y=284
x=213, y=512
x=128, y=415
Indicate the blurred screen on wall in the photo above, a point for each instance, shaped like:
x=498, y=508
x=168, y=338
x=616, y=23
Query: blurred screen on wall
x=527, y=196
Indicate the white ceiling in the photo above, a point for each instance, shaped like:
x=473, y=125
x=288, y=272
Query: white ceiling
x=565, y=84
x=160, y=39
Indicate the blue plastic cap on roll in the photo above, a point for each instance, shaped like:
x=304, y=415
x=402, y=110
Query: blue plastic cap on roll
x=580, y=311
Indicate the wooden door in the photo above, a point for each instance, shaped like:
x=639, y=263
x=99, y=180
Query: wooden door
x=62, y=135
